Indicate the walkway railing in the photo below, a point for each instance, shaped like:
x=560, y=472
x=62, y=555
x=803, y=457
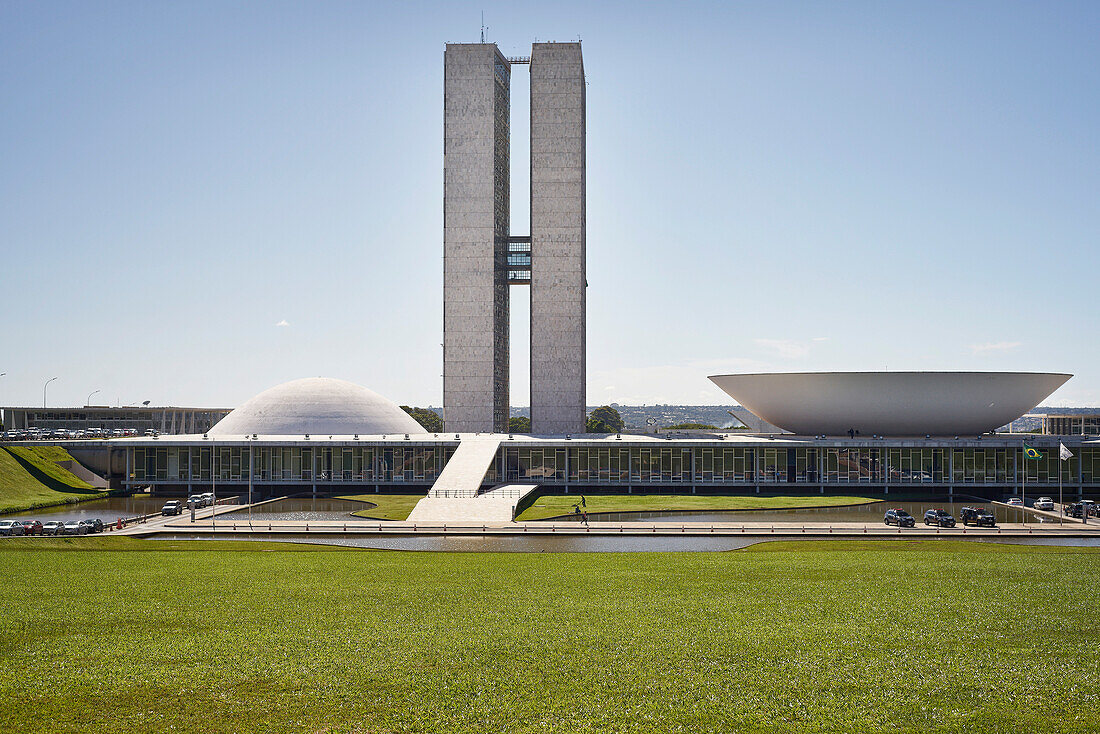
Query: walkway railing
x=398, y=527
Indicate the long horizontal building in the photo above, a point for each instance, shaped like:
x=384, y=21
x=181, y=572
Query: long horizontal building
x=164, y=419
x=321, y=435
x=1072, y=424
x=988, y=467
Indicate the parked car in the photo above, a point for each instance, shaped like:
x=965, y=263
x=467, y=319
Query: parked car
x=1091, y=507
x=1044, y=503
x=979, y=516
x=32, y=527
x=94, y=524
x=899, y=517
x=1073, y=509
x=11, y=527
x=1015, y=502
x=939, y=517
x=172, y=507
x=208, y=498
x=74, y=527
x=195, y=501
x=53, y=527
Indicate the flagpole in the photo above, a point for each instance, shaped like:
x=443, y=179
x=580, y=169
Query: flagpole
x=1060, y=505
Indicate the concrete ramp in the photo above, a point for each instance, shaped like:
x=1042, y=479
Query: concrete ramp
x=456, y=496
x=464, y=473
x=496, y=505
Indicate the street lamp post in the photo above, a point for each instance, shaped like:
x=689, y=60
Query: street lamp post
x=44, y=390
x=89, y=400
x=213, y=488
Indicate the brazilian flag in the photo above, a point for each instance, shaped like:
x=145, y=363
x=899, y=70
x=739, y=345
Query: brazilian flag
x=1031, y=452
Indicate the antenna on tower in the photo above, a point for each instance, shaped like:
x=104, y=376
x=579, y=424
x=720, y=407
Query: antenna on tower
x=483, y=26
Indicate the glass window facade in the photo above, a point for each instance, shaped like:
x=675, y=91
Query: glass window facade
x=619, y=464
x=294, y=465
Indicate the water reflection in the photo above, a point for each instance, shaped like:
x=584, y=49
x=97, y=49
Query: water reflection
x=566, y=544
x=871, y=512
x=303, y=509
x=107, y=510
x=496, y=543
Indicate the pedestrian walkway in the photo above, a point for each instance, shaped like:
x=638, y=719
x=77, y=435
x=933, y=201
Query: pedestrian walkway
x=483, y=526
x=497, y=505
x=466, y=469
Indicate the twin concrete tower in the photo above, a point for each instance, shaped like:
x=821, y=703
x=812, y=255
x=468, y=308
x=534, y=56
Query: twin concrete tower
x=481, y=258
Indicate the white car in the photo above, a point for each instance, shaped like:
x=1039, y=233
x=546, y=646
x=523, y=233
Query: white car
x=1044, y=503
x=1015, y=502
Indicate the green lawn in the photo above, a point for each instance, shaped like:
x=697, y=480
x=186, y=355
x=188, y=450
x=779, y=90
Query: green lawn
x=29, y=478
x=556, y=505
x=883, y=637
x=386, y=506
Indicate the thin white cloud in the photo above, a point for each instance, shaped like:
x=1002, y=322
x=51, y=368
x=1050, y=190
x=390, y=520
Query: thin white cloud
x=284, y=322
x=785, y=348
x=821, y=338
x=993, y=348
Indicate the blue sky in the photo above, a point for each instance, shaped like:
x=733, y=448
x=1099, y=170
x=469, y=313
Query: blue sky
x=771, y=186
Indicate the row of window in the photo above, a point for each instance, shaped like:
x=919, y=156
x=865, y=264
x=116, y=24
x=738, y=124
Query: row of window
x=619, y=465
x=1072, y=425
x=230, y=464
x=693, y=465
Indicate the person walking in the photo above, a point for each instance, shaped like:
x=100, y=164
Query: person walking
x=582, y=501
x=584, y=517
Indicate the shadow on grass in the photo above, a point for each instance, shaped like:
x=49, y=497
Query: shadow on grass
x=48, y=481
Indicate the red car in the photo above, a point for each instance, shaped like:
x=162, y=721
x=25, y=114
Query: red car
x=32, y=527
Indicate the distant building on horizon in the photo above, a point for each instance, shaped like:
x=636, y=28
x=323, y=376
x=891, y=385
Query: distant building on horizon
x=140, y=418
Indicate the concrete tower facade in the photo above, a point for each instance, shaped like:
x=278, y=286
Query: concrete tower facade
x=480, y=257
x=475, y=237
x=557, y=239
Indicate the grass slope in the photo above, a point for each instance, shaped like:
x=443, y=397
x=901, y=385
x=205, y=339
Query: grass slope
x=556, y=505
x=799, y=638
x=384, y=506
x=29, y=478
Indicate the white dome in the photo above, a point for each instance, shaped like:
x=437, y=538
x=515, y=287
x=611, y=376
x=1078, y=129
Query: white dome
x=317, y=405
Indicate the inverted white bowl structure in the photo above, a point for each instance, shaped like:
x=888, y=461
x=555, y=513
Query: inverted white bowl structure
x=890, y=403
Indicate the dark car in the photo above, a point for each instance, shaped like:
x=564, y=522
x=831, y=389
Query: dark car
x=939, y=517
x=94, y=524
x=1075, y=510
x=53, y=527
x=74, y=528
x=11, y=527
x=172, y=507
x=899, y=517
x=32, y=527
x=979, y=516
